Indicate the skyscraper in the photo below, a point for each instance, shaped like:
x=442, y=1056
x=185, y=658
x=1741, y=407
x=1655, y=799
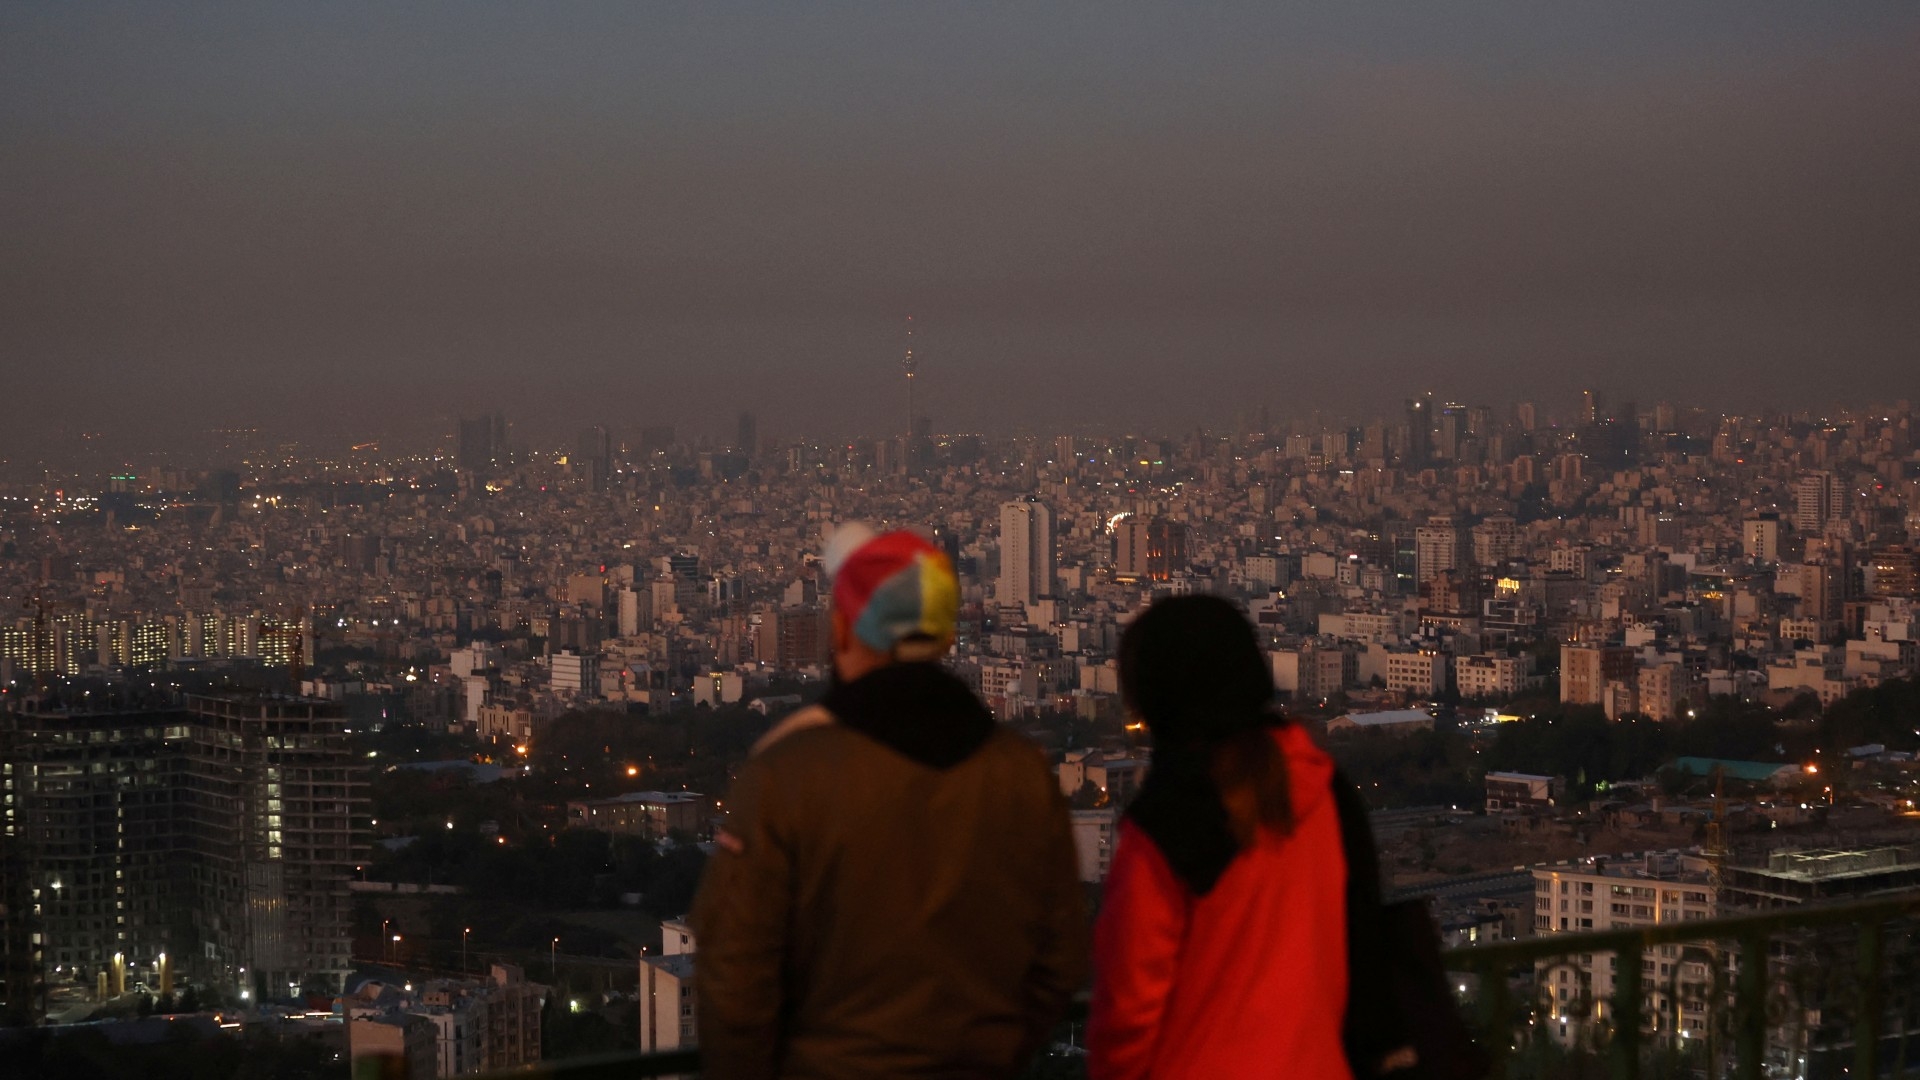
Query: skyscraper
x=593, y=458
x=747, y=438
x=1419, y=451
x=1027, y=555
x=483, y=443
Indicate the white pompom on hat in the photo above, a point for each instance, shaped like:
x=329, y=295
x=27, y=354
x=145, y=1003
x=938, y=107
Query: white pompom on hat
x=841, y=541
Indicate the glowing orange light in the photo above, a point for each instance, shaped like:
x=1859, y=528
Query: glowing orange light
x=1812, y=768
x=633, y=770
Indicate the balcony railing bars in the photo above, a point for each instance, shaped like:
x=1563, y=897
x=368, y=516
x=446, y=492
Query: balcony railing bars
x=1817, y=961
x=1830, y=962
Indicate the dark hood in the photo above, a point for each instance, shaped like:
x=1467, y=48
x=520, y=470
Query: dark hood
x=920, y=710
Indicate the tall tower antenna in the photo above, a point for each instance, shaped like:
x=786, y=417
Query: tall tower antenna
x=908, y=364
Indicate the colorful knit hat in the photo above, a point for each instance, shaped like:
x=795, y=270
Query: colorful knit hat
x=894, y=587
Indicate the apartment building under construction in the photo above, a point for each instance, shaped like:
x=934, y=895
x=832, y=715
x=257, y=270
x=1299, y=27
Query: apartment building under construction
x=214, y=839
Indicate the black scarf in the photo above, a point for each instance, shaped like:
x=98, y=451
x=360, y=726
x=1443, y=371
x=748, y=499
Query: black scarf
x=917, y=709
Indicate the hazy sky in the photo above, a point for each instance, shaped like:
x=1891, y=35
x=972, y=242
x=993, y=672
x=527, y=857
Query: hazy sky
x=343, y=216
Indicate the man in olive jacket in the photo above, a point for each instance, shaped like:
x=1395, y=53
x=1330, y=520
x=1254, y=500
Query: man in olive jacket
x=895, y=891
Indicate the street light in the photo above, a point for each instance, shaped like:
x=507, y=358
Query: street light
x=383, y=937
x=463, y=948
x=553, y=959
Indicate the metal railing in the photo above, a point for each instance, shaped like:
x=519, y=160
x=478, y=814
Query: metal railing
x=1826, y=961
x=1509, y=1004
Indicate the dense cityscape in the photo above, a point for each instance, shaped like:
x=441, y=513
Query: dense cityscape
x=327, y=748
x=1008, y=542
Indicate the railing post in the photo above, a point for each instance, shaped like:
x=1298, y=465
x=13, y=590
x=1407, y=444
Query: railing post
x=1750, y=1007
x=1866, y=1018
x=1627, y=995
x=1499, y=1013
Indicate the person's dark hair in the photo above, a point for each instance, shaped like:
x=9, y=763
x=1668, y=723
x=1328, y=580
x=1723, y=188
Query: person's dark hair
x=1191, y=669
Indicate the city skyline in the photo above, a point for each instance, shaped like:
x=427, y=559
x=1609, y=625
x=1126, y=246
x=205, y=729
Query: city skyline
x=80, y=449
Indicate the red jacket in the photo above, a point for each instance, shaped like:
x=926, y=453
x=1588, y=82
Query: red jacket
x=1249, y=980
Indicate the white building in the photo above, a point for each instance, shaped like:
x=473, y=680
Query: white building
x=1095, y=834
x=576, y=674
x=1488, y=676
x=1440, y=544
x=1422, y=673
x=1027, y=554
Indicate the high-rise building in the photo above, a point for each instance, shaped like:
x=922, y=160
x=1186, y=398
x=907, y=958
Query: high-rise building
x=747, y=438
x=1526, y=415
x=1450, y=427
x=273, y=797
x=1440, y=544
x=1818, y=497
x=1419, y=446
x=1027, y=555
x=483, y=443
x=593, y=457
x=216, y=838
x=1589, y=407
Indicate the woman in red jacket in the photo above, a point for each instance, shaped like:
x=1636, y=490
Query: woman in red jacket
x=1221, y=948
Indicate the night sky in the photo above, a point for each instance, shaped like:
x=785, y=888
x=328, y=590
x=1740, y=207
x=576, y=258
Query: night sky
x=347, y=218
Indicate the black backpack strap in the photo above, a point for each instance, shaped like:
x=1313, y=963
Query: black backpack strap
x=1374, y=1025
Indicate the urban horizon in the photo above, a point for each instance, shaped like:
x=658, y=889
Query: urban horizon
x=558, y=535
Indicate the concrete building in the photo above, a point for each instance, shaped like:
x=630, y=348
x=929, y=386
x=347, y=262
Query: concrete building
x=1617, y=893
x=669, y=1004
x=460, y=1036
x=576, y=674
x=1818, y=497
x=1664, y=691
x=1522, y=791
x=1149, y=550
x=1311, y=672
x=1421, y=673
x=1118, y=778
x=1028, y=558
x=1585, y=671
x=219, y=836
x=1760, y=536
x=1489, y=676
x=1495, y=541
x=1096, y=833
x=1440, y=544
x=650, y=814
x=405, y=1038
